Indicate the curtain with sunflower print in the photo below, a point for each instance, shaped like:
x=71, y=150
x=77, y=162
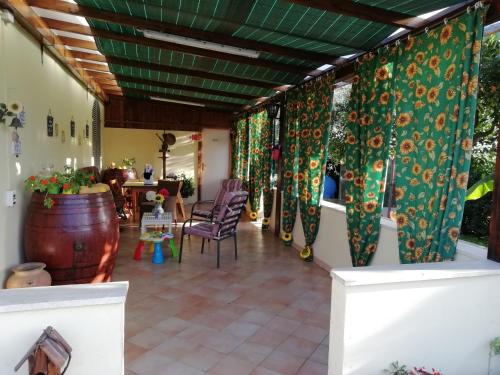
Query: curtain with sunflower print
x=240, y=150
x=294, y=108
x=260, y=159
x=368, y=133
x=308, y=119
x=436, y=88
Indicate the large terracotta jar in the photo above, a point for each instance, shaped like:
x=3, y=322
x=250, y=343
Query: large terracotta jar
x=77, y=238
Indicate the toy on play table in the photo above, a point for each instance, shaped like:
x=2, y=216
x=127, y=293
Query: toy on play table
x=156, y=238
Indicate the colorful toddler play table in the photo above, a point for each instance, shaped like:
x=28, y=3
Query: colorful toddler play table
x=156, y=237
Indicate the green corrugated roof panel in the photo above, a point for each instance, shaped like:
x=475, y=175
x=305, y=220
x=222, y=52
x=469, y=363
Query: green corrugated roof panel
x=161, y=90
x=277, y=22
x=181, y=79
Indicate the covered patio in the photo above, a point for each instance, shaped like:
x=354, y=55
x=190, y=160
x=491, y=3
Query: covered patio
x=231, y=187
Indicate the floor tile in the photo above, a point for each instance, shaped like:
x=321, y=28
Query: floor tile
x=249, y=316
x=313, y=368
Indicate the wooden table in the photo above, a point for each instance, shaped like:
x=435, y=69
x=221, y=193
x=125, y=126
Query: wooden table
x=136, y=187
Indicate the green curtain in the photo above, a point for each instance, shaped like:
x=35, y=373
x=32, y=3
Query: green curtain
x=260, y=159
x=240, y=150
x=368, y=133
x=436, y=88
x=308, y=120
x=290, y=156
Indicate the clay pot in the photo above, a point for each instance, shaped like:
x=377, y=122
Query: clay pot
x=29, y=275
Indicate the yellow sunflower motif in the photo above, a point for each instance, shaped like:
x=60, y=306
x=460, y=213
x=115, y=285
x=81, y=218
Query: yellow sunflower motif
x=399, y=193
x=401, y=220
x=445, y=34
x=449, y=72
x=450, y=94
x=286, y=236
x=430, y=144
x=407, y=146
x=420, y=90
x=266, y=221
x=432, y=95
x=370, y=206
x=403, y=119
x=440, y=121
x=15, y=107
x=411, y=70
x=416, y=169
x=253, y=215
x=378, y=165
x=427, y=175
x=462, y=179
x=159, y=198
x=420, y=56
x=382, y=73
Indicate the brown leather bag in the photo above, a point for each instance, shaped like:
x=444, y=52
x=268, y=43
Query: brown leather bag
x=48, y=355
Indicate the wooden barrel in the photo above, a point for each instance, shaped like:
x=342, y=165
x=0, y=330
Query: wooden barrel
x=77, y=238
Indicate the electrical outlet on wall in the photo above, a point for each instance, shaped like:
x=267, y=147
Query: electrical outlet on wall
x=10, y=198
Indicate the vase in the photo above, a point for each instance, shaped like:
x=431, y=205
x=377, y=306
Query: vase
x=29, y=275
x=157, y=211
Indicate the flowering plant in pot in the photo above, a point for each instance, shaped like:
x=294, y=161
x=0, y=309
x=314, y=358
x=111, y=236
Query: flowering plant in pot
x=68, y=182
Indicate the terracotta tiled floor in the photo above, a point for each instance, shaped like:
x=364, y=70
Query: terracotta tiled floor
x=265, y=314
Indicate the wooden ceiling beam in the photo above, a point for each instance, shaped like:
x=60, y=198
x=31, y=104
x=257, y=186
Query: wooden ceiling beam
x=168, y=46
x=89, y=56
x=184, y=98
x=363, y=11
x=79, y=43
x=191, y=72
x=99, y=76
x=31, y=22
x=93, y=66
x=166, y=85
x=209, y=36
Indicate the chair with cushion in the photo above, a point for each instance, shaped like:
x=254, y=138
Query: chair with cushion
x=222, y=226
x=211, y=207
x=173, y=188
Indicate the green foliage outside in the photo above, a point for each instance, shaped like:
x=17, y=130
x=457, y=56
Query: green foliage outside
x=477, y=212
x=187, y=188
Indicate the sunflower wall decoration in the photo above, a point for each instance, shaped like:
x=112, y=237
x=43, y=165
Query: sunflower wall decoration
x=10, y=110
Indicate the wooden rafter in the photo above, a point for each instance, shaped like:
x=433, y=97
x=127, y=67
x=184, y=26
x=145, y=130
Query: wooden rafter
x=89, y=56
x=35, y=25
x=141, y=40
x=94, y=66
x=208, y=102
x=192, y=72
x=123, y=78
x=142, y=23
x=79, y=43
x=363, y=11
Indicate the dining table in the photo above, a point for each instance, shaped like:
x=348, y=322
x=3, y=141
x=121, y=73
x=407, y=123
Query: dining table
x=136, y=187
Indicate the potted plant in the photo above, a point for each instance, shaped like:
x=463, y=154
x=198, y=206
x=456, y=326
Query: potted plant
x=71, y=226
x=187, y=188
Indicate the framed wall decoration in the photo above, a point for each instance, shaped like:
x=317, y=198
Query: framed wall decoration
x=72, y=127
x=50, y=124
x=87, y=130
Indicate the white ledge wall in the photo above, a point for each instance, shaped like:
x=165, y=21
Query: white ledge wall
x=331, y=248
x=91, y=317
x=440, y=315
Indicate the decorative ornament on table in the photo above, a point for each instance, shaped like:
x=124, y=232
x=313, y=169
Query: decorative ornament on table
x=50, y=124
x=148, y=174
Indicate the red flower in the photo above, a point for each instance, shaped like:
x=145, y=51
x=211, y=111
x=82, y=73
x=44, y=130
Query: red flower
x=44, y=182
x=66, y=186
x=53, y=180
x=164, y=192
x=92, y=178
x=32, y=178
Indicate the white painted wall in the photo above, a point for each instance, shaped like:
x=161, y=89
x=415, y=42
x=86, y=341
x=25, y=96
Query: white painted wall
x=440, y=315
x=40, y=86
x=90, y=317
x=215, y=158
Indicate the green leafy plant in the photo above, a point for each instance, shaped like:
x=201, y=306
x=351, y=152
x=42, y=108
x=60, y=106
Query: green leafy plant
x=128, y=162
x=68, y=182
x=187, y=188
x=494, y=350
x=396, y=369
x=480, y=188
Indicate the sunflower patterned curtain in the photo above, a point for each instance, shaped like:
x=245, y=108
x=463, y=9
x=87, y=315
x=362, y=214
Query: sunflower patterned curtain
x=240, y=150
x=260, y=159
x=436, y=88
x=267, y=139
x=368, y=133
x=308, y=119
x=294, y=109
